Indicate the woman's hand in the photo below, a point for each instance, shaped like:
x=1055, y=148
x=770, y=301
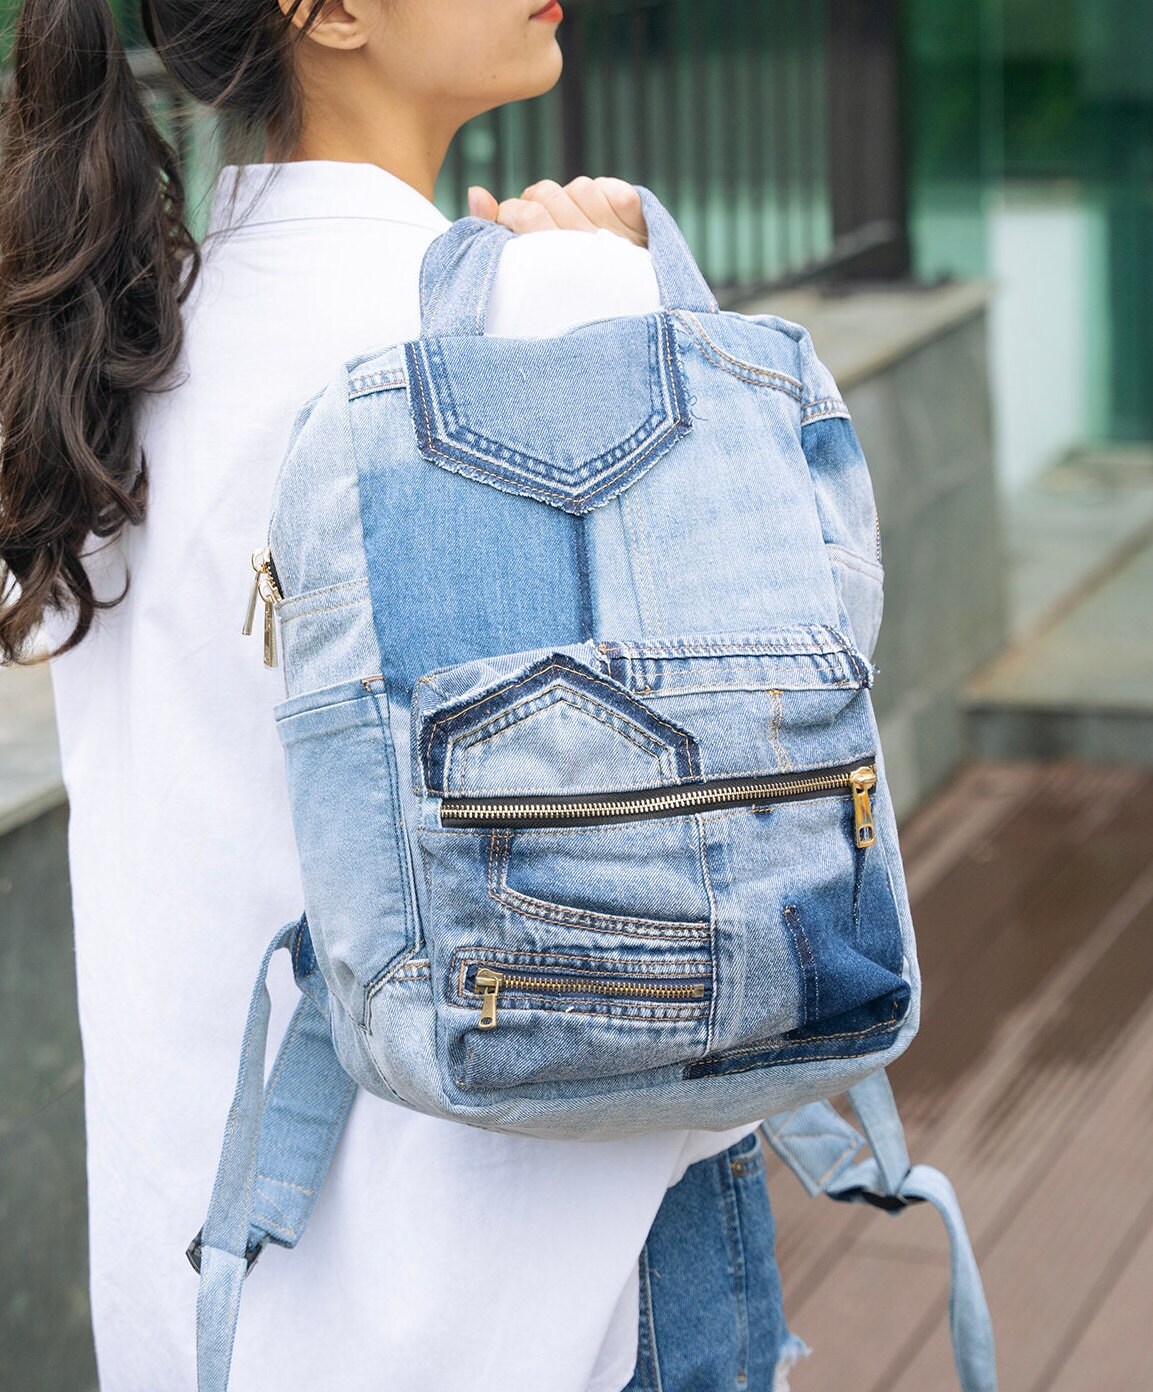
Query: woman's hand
x=584, y=205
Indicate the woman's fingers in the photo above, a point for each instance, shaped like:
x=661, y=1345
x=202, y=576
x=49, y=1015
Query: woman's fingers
x=560, y=205
x=612, y=204
x=527, y=215
x=625, y=202
x=481, y=203
x=584, y=205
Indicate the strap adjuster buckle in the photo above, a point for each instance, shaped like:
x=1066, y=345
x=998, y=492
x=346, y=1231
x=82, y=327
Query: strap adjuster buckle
x=196, y=1246
x=889, y=1203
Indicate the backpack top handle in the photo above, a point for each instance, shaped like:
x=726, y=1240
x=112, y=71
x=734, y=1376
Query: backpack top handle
x=459, y=270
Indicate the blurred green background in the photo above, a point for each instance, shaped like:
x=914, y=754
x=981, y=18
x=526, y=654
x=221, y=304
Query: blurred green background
x=1027, y=133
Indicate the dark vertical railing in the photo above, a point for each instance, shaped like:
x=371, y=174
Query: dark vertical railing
x=867, y=175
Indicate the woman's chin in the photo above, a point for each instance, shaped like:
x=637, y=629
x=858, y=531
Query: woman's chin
x=545, y=75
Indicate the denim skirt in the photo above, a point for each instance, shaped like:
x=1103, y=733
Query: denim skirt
x=711, y=1316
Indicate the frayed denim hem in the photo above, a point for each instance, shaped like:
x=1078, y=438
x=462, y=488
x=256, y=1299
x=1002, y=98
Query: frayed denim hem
x=792, y=1351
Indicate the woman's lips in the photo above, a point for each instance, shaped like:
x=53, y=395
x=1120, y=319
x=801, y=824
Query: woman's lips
x=551, y=13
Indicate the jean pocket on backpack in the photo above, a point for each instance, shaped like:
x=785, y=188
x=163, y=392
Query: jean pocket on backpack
x=343, y=791
x=478, y=409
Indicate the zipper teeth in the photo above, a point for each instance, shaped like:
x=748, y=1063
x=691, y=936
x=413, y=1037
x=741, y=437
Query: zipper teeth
x=660, y=803
x=269, y=569
x=607, y=988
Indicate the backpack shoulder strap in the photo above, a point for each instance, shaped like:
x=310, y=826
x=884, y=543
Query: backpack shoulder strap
x=820, y=1146
x=278, y=1145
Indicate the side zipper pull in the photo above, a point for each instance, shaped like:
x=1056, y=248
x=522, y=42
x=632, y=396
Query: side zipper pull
x=863, y=781
x=250, y=617
x=269, y=634
x=263, y=587
x=488, y=983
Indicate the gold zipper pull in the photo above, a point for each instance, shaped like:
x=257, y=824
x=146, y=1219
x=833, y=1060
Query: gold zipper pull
x=863, y=779
x=254, y=596
x=264, y=588
x=269, y=633
x=489, y=983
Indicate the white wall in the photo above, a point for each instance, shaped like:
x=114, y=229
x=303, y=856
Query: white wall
x=1044, y=337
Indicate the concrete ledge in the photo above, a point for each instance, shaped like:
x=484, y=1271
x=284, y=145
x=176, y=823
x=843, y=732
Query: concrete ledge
x=30, y=778
x=45, y=1338
x=860, y=333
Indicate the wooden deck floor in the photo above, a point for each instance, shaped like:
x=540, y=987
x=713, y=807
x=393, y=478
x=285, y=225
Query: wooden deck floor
x=1030, y=1084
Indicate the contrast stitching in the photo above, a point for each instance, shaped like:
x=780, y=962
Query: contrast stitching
x=810, y=980
x=733, y=647
x=777, y=1045
x=648, y=746
x=822, y=409
x=324, y=589
x=542, y=492
x=480, y=953
x=681, y=737
x=566, y=915
x=627, y=464
x=780, y=381
x=307, y=612
x=370, y=383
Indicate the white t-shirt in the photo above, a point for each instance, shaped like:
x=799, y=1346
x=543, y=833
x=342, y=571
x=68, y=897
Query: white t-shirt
x=440, y=1258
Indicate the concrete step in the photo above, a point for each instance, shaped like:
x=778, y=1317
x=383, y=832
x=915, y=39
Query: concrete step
x=30, y=780
x=1078, y=678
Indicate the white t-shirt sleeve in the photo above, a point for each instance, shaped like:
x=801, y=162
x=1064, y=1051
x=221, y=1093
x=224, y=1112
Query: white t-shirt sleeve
x=548, y=282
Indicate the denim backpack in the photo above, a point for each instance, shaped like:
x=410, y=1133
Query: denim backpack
x=590, y=806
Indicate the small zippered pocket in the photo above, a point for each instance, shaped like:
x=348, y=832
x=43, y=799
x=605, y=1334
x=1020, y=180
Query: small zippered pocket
x=565, y=987
x=542, y=1016
x=858, y=777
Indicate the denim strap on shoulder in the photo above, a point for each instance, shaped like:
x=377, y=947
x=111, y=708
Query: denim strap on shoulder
x=819, y=1146
x=459, y=268
x=278, y=1144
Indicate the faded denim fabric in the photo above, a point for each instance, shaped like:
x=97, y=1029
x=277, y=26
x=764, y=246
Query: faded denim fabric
x=640, y=556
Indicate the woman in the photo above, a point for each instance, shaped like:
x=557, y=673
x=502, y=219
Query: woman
x=143, y=380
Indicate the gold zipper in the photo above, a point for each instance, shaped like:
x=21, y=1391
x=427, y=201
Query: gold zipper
x=264, y=587
x=863, y=781
x=657, y=802
x=490, y=984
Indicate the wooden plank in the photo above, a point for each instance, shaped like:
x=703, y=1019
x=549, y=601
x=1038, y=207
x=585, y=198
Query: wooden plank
x=1114, y=1352
x=979, y=800
x=1053, y=1059
x=878, y=1321
x=1038, y=931
x=1066, y=1238
x=860, y=1315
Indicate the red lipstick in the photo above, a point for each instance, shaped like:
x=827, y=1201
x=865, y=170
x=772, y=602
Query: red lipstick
x=551, y=13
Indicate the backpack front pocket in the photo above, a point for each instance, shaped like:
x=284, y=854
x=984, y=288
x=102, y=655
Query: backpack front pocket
x=596, y=914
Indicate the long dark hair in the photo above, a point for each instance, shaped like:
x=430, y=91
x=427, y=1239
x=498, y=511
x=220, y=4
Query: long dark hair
x=96, y=259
